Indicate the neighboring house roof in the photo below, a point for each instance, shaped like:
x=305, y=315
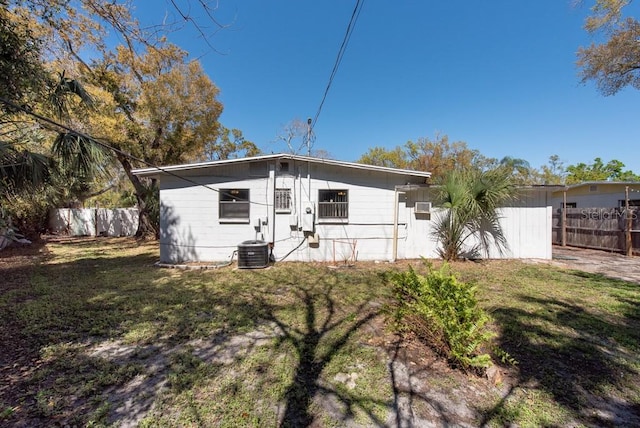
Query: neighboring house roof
x=602, y=183
x=174, y=169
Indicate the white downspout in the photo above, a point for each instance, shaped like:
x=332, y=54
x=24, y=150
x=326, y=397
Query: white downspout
x=309, y=156
x=272, y=220
x=396, y=203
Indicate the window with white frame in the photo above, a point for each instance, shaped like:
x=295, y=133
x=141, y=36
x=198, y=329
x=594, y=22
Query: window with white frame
x=283, y=200
x=234, y=204
x=333, y=204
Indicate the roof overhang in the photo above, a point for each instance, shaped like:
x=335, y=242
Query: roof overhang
x=175, y=169
x=602, y=183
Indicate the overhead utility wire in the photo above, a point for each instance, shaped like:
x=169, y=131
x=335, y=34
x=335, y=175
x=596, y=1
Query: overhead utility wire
x=109, y=147
x=343, y=47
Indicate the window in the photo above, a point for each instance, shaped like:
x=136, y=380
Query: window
x=234, y=204
x=283, y=200
x=569, y=205
x=622, y=203
x=333, y=204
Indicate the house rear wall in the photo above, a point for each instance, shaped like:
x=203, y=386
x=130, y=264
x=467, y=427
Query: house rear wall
x=191, y=229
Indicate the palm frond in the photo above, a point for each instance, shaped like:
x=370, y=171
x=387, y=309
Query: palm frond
x=65, y=88
x=472, y=200
x=20, y=169
x=79, y=155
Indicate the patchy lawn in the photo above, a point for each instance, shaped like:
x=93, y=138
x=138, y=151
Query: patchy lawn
x=94, y=334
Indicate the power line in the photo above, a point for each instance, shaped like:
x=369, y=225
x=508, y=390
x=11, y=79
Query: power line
x=343, y=47
x=110, y=147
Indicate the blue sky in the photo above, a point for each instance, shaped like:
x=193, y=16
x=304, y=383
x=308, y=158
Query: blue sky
x=499, y=75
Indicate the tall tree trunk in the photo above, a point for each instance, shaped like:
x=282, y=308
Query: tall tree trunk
x=146, y=226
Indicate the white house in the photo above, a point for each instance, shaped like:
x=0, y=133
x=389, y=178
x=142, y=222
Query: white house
x=310, y=209
x=598, y=194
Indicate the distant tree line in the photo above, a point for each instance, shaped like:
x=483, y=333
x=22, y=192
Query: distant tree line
x=441, y=156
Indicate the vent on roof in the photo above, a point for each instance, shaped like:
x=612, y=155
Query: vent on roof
x=253, y=255
x=283, y=166
x=593, y=188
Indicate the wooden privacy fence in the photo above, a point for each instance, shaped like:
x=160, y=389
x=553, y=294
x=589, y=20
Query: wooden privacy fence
x=598, y=228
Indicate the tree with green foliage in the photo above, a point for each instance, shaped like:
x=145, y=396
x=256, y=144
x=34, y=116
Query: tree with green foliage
x=35, y=169
x=599, y=171
x=615, y=63
x=379, y=156
x=471, y=200
x=520, y=169
x=554, y=172
x=22, y=79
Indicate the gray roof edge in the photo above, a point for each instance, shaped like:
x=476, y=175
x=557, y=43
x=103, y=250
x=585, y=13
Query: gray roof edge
x=147, y=172
x=594, y=183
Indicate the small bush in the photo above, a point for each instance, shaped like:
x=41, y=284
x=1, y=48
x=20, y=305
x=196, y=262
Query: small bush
x=28, y=213
x=444, y=312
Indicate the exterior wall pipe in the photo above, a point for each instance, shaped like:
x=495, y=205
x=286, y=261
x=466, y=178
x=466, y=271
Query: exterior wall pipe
x=272, y=220
x=396, y=203
x=564, y=218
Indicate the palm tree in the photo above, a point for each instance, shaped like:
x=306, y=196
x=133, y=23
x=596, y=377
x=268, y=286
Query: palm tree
x=72, y=154
x=520, y=168
x=471, y=200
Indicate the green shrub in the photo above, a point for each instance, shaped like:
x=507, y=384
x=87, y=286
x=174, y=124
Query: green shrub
x=28, y=213
x=444, y=312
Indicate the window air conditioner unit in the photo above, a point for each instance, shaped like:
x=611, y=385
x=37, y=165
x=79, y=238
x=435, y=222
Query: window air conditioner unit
x=423, y=207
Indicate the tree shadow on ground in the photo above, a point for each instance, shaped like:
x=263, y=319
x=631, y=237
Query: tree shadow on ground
x=326, y=328
x=54, y=314
x=325, y=332
x=121, y=331
x=582, y=360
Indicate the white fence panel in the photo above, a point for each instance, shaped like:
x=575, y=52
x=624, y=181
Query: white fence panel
x=94, y=221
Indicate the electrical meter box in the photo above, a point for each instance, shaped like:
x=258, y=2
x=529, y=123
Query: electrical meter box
x=308, y=216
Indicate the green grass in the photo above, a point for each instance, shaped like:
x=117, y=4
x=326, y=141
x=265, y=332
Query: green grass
x=93, y=320
x=96, y=315
x=576, y=337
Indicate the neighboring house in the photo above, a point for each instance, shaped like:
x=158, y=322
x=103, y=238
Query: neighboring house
x=311, y=209
x=597, y=194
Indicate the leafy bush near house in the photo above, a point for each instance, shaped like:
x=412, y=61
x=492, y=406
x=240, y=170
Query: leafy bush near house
x=444, y=312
